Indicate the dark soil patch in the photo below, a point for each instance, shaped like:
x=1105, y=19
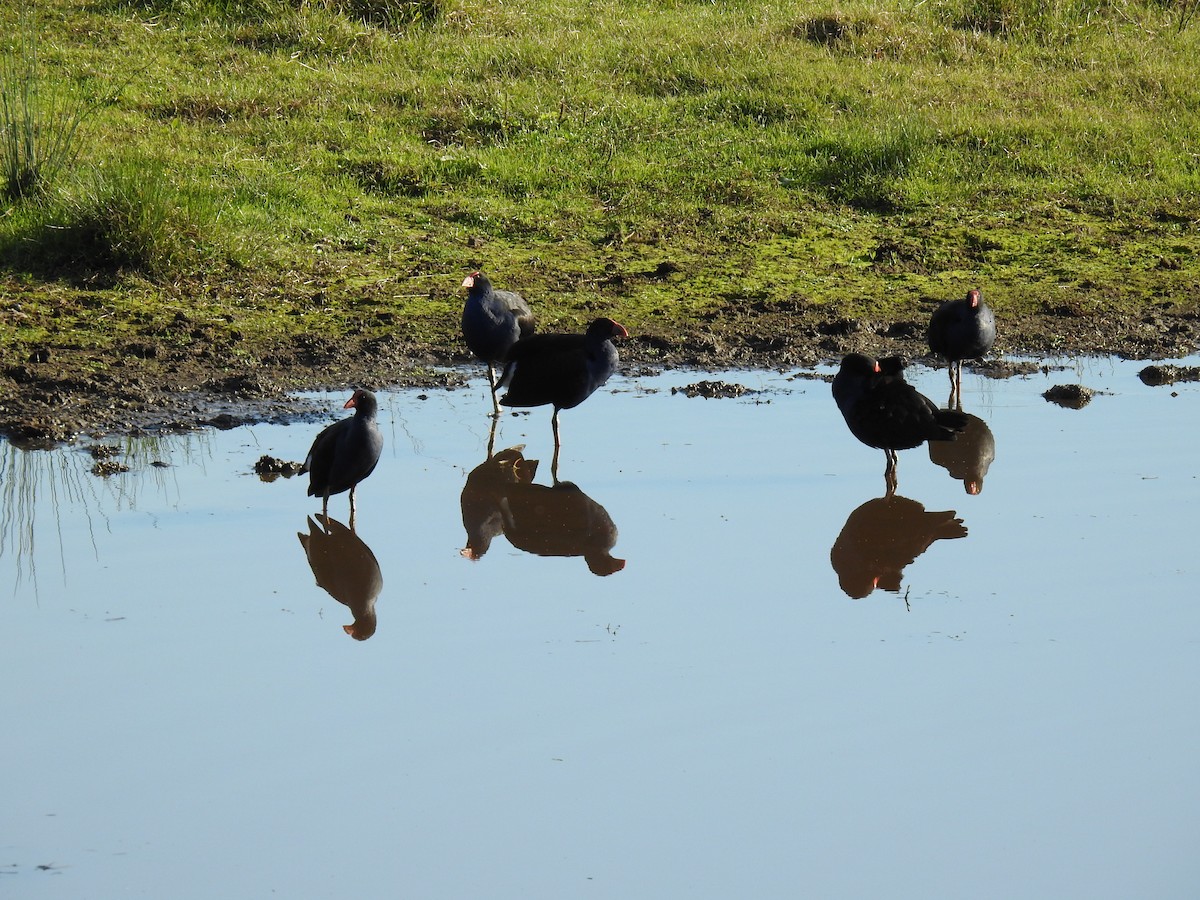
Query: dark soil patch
x=56, y=394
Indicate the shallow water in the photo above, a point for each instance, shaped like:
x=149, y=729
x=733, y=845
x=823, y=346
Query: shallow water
x=1010, y=713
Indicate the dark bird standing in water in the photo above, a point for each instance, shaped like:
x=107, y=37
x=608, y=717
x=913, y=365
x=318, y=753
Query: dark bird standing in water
x=492, y=321
x=345, y=453
x=883, y=410
x=562, y=370
x=962, y=329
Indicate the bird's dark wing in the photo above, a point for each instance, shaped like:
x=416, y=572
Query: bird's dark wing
x=545, y=368
x=319, y=461
x=892, y=414
x=356, y=453
x=515, y=303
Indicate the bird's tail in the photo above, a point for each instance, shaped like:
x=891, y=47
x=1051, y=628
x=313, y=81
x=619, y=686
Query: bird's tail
x=952, y=422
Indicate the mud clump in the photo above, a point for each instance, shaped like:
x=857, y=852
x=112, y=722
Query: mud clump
x=1004, y=368
x=269, y=468
x=1071, y=396
x=712, y=389
x=106, y=467
x=1156, y=376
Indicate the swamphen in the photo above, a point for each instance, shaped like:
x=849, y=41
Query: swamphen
x=492, y=321
x=345, y=453
x=560, y=369
x=962, y=329
x=883, y=410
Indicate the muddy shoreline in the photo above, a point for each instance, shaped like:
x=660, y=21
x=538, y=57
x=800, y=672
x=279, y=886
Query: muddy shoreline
x=56, y=394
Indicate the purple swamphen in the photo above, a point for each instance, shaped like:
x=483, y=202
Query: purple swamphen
x=346, y=452
x=962, y=329
x=884, y=411
x=562, y=370
x=492, y=321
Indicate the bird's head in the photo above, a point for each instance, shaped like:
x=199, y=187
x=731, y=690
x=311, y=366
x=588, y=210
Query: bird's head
x=360, y=399
x=607, y=329
x=859, y=364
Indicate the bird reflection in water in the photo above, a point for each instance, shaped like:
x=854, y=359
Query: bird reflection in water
x=346, y=568
x=883, y=536
x=556, y=520
x=969, y=456
x=483, y=496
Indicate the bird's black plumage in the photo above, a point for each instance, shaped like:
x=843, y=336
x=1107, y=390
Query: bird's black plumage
x=561, y=370
x=346, y=452
x=492, y=322
x=884, y=411
x=962, y=329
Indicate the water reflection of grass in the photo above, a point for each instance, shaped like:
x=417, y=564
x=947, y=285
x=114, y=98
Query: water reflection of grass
x=45, y=491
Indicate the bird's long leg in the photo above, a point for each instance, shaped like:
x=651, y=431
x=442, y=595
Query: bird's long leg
x=352, y=506
x=557, y=445
x=325, y=505
x=492, y=437
x=890, y=479
x=954, y=401
x=492, y=385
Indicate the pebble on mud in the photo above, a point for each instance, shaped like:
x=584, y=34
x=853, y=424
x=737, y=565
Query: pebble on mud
x=1072, y=396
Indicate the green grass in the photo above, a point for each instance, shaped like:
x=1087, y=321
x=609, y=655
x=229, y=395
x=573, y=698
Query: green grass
x=272, y=167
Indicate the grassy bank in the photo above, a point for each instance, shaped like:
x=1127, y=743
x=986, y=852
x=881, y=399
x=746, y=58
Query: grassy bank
x=244, y=172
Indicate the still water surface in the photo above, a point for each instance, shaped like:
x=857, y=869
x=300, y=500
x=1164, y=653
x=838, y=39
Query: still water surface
x=698, y=684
